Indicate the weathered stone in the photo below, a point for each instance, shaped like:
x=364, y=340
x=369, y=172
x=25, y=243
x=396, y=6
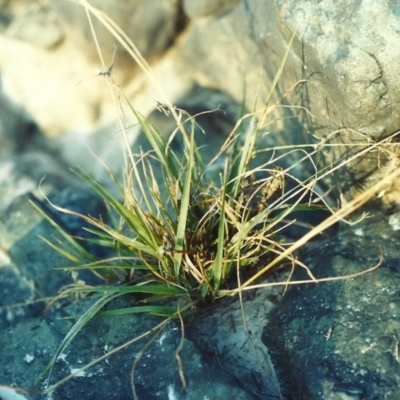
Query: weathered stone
x=339, y=339
x=356, y=65
x=346, y=78
x=231, y=332
x=29, y=347
x=195, y=9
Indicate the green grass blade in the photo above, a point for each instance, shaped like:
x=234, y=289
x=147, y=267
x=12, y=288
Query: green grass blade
x=82, y=321
x=159, y=145
x=218, y=264
x=81, y=253
x=181, y=229
x=163, y=311
x=136, y=219
x=280, y=69
x=161, y=289
x=246, y=154
x=276, y=80
x=64, y=252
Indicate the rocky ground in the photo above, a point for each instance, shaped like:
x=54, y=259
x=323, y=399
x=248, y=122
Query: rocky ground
x=331, y=340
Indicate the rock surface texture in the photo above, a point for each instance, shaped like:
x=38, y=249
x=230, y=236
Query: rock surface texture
x=344, y=73
x=339, y=340
x=59, y=96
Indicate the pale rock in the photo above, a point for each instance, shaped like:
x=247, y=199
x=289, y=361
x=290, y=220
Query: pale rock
x=343, y=72
x=195, y=9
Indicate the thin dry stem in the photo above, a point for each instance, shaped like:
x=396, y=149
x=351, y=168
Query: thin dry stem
x=337, y=216
x=317, y=280
x=97, y=360
x=137, y=359
x=178, y=350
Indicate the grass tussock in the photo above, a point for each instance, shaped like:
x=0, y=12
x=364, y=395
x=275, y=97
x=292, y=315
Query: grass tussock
x=193, y=232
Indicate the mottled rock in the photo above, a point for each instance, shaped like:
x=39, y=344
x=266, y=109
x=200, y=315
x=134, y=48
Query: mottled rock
x=347, y=77
x=231, y=333
x=29, y=347
x=357, y=67
x=26, y=262
x=340, y=339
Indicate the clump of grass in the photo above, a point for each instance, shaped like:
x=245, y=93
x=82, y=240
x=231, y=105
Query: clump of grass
x=184, y=236
x=187, y=238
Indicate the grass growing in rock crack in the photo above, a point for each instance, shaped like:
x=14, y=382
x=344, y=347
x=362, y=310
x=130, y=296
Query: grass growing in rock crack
x=183, y=239
x=188, y=239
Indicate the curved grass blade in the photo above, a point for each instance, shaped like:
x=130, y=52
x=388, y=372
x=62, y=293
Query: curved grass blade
x=161, y=311
x=135, y=218
x=159, y=145
x=81, y=254
x=161, y=289
x=82, y=321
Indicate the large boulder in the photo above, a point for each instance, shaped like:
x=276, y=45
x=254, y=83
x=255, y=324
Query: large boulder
x=345, y=74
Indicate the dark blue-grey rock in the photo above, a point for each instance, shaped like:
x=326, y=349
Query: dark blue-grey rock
x=339, y=339
x=28, y=279
x=28, y=348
